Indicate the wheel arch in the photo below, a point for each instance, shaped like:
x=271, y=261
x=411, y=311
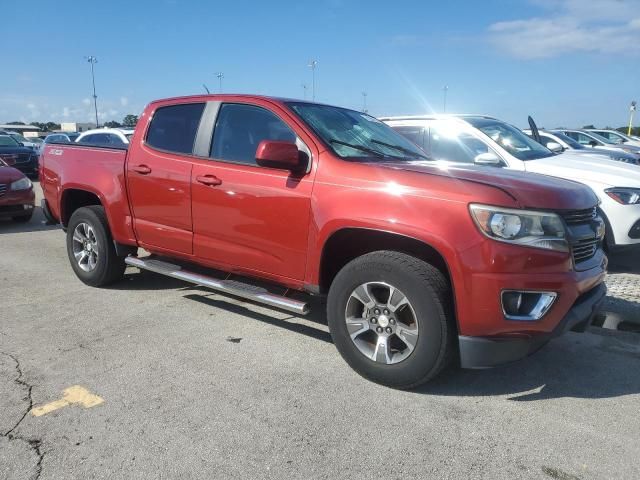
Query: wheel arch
x=348, y=243
x=73, y=198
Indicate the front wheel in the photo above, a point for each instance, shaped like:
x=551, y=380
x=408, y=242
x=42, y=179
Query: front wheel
x=90, y=248
x=389, y=316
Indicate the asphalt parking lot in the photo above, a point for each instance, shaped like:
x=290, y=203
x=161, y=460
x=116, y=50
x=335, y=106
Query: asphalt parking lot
x=155, y=378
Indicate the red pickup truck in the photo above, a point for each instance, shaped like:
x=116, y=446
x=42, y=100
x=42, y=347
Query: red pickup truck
x=421, y=264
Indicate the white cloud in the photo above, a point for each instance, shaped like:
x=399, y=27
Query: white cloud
x=124, y=101
x=66, y=112
x=601, y=26
x=86, y=101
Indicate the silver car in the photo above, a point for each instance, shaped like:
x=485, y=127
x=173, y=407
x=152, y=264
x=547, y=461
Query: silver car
x=616, y=137
x=553, y=140
x=592, y=139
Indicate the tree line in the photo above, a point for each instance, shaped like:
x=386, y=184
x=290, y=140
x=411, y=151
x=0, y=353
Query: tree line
x=128, y=121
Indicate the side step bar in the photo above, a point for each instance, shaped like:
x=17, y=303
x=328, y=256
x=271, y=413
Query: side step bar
x=250, y=292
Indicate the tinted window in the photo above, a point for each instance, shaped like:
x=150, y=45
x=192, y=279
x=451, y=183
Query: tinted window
x=240, y=129
x=174, y=128
x=415, y=134
x=97, y=139
x=115, y=139
x=455, y=146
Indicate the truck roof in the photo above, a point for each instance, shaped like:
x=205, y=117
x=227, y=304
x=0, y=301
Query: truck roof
x=229, y=96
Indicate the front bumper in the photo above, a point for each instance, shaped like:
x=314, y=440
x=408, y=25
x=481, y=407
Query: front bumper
x=17, y=203
x=486, y=352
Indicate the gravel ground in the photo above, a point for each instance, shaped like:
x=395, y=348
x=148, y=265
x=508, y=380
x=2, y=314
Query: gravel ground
x=195, y=385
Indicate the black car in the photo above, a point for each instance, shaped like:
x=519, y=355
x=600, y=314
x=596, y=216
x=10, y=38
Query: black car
x=18, y=156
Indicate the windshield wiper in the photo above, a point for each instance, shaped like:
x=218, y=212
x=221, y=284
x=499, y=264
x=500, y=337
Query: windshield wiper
x=359, y=147
x=401, y=149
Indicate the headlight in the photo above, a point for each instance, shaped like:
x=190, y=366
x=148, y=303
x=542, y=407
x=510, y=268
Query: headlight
x=22, y=184
x=625, y=196
x=522, y=227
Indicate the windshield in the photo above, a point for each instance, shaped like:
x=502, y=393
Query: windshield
x=354, y=135
x=19, y=138
x=7, y=141
x=569, y=141
x=510, y=138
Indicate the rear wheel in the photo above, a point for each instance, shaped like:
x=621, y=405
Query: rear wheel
x=90, y=248
x=389, y=317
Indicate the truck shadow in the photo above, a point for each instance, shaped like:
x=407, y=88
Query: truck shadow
x=625, y=261
x=36, y=224
x=586, y=365
x=576, y=365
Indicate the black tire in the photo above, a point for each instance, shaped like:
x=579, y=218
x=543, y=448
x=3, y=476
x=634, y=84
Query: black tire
x=109, y=266
x=23, y=218
x=429, y=294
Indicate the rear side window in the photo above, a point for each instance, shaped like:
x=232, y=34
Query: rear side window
x=174, y=128
x=455, y=147
x=240, y=129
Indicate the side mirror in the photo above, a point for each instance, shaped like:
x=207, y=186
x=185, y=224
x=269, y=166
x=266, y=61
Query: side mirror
x=593, y=143
x=555, y=147
x=488, y=158
x=276, y=154
x=21, y=144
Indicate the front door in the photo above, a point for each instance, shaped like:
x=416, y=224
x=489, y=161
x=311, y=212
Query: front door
x=159, y=179
x=244, y=215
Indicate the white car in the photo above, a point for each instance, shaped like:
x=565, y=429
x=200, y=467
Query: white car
x=552, y=139
x=615, y=137
x=487, y=141
x=106, y=136
x=592, y=139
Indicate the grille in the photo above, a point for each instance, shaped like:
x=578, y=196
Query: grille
x=3, y=190
x=23, y=158
x=584, y=250
x=573, y=217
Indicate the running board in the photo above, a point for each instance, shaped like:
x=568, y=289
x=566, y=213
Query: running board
x=232, y=287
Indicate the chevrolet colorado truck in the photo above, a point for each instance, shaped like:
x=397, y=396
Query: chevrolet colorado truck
x=277, y=200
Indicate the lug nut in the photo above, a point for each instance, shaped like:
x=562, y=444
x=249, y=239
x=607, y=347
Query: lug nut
x=379, y=329
x=386, y=312
x=373, y=320
x=377, y=311
x=389, y=330
x=392, y=321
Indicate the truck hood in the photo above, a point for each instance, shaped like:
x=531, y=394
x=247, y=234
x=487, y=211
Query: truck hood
x=9, y=174
x=587, y=169
x=529, y=190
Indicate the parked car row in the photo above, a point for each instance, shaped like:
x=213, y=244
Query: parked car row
x=488, y=141
x=426, y=252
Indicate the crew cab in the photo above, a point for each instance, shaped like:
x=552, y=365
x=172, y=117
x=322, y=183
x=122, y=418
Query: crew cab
x=277, y=200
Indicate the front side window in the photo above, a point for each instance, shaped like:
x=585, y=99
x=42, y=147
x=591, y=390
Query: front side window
x=514, y=141
x=415, y=134
x=240, y=129
x=584, y=139
x=174, y=128
x=453, y=145
x=355, y=135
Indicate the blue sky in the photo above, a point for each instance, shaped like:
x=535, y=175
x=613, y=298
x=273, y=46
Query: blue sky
x=566, y=62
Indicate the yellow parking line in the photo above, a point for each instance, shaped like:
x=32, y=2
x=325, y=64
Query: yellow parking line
x=75, y=395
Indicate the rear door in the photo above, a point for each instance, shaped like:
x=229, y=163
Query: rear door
x=159, y=178
x=244, y=215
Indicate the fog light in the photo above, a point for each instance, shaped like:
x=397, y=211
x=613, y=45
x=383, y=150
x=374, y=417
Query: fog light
x=526, y=305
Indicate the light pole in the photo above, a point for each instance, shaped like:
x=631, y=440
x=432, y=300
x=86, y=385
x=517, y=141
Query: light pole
x=364, y=102
x=220, y=76
x=313, y=64
x=444, y=98
x=632, y=110
x=93, y=60
x=304, y=90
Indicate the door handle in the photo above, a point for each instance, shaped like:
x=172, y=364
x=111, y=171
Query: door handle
x=210, y=180
x=141, y=169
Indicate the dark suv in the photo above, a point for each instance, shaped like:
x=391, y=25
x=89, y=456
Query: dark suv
x=18, y=156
